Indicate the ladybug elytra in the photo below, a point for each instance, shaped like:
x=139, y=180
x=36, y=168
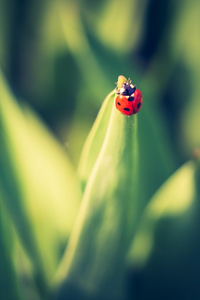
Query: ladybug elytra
x=128, y=98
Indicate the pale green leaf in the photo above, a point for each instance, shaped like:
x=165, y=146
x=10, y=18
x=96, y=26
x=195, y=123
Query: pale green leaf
x=94, y=259
x=40, y=188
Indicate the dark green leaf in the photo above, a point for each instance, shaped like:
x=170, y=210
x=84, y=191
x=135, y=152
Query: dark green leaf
x=9, y=285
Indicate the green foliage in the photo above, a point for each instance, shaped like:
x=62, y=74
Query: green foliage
x=8, y=277
x=38, y=185
x=164, y=255
x=113, y=215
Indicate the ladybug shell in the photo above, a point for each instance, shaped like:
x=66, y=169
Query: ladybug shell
x=123, y=105
x=137, y=102
x=129, y=105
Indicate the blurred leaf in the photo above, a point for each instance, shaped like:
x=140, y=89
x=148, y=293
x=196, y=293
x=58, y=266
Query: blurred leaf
x=173, y=198
x=94, y=259
x=173, y=66
x=8, y=278
x=189, y=21
x=25, y=271
x=94, y=140
x=157, y=159
x=16, y=270
x=116, y=30
x=164, y=256
x=4, y=33
x=79, y=46
x=40, y=188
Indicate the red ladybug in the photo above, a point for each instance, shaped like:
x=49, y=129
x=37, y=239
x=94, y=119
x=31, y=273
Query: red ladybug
x=124, y=105
x=128, y=99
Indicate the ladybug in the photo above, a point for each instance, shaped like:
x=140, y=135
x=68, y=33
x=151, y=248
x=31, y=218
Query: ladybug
x=128, y=98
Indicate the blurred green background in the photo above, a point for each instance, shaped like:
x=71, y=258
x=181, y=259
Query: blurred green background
x=62, y=58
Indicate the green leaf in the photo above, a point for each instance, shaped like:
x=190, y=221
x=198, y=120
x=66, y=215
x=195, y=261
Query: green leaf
x=25, y=271
x=157, y=157
x=78, y=44
x=9, y=285
x=119, y=35
x=40, y=188
x=164, y=257
x=94, y=259
x=16, y=272
x=94, y=140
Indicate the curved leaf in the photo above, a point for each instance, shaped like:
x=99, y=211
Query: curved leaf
x=40, y=188
x=94, y=259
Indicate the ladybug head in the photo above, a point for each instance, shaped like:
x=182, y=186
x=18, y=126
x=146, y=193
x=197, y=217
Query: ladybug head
x=126, y=88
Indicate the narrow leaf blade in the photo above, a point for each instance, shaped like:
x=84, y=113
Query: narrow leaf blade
x=94, y=259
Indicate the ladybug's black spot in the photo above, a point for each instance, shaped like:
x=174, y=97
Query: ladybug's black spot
x=127, y=109
x=131, y=98
x=118, y=103
x=139, y=104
